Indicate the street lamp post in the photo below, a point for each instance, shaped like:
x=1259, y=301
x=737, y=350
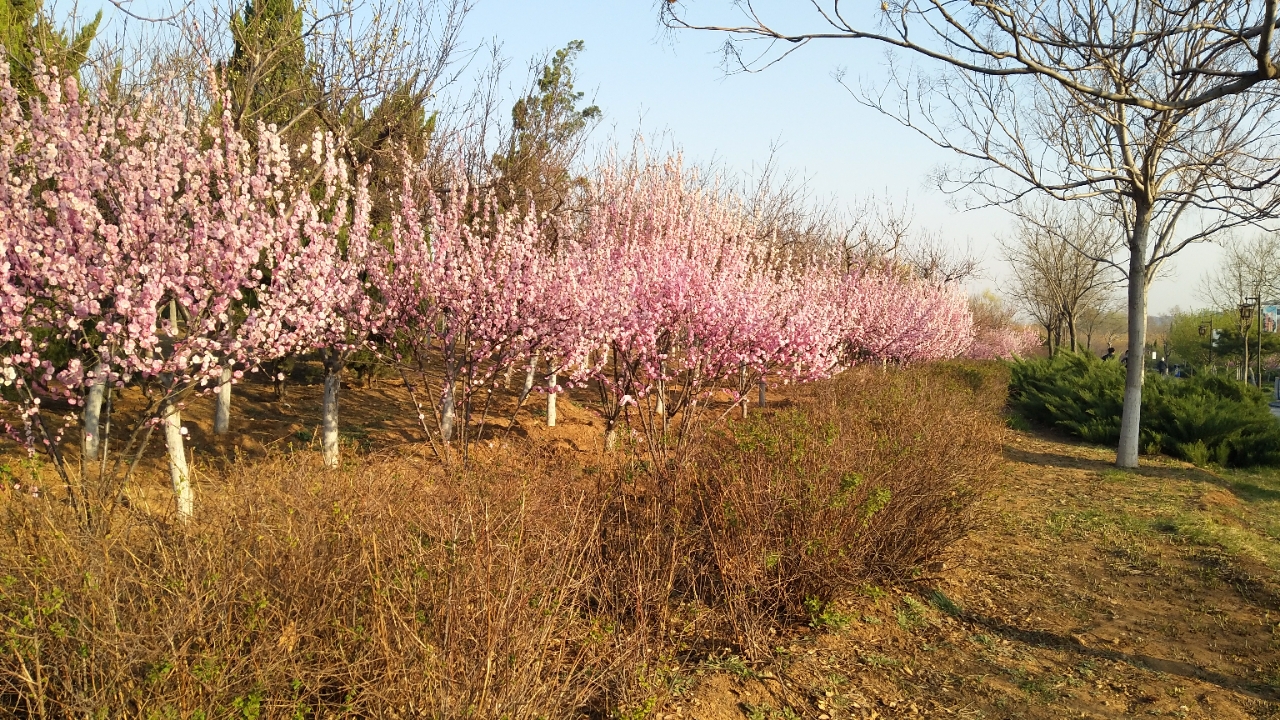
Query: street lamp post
x=1257, y=304
x=1246, y=315
x=1206, y=329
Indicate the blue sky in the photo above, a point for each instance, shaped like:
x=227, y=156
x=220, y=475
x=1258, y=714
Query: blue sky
x=672, y=85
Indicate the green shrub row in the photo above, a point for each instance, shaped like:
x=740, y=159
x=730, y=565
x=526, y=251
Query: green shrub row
x=1202, y=419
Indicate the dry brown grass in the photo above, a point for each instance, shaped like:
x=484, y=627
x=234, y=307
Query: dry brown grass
x=529, y=585
x=869, y=477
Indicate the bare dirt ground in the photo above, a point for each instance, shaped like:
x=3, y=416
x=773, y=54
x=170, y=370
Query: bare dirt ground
x=1092, y=593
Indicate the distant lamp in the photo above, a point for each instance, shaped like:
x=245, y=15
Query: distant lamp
x=1246, y=312
x=1204, y=329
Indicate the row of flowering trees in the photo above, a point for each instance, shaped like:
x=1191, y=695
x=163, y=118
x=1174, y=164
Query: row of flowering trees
x=148, y=248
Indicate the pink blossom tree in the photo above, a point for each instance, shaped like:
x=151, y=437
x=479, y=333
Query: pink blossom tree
x=133, y=239
x=463, y=280
x=898, y=318
x=316, y=293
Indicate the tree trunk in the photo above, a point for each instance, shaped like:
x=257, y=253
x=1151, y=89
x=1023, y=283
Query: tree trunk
x=761, y=389
x=329, y=410
x=179, y=474
x=222, y=404
x=1244, y=374
x=93, y=410
x=551, y=400
x=1130, y=417
x=447, y=404
x=662, y=397
x=1071, y=331
x=528, y=380
x=742, y=383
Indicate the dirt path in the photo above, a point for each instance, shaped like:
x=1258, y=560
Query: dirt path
x=1092, y=593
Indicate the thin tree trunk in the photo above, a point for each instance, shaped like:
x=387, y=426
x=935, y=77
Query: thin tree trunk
x=1130, y=417
x=447, y=402
x=528, y=380
x=551, y=400
x=1244, y=374
x=329, y=410
x=93, y=410
x=179, y=474
x=662, y=397
x=1071, y=332
x=761, y=389
x=222, y=404
x=742, y=383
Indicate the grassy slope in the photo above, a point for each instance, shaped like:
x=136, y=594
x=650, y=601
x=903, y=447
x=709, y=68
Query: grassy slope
x=1092, y=593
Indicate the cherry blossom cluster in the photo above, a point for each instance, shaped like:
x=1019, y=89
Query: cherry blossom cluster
x=992, y=343
x=152, y=248
x=145, y=244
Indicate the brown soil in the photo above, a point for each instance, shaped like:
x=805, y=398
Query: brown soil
x=1092, y=593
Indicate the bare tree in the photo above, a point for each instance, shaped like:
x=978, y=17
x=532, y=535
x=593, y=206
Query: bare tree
x=1145, y=111
x=931, y=257
x=883, y=230
x=1056, y=258
x=787, y=213
x=1101, y=315
x=1250, y=268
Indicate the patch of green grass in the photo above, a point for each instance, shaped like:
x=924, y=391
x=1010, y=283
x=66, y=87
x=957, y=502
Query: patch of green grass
x=912, y=615
x=765, y=711
x=1203, y=529
x=732, y=664
x=1116, y=475
x=880, y=661
x=1015, y=421
x=874, y=592
x=1040, y=688
x=824, y=615
x=939, y=600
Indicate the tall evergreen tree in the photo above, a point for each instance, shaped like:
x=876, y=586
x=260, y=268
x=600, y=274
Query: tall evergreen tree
x=26, y=33
x=268, y=75
x=547, y=130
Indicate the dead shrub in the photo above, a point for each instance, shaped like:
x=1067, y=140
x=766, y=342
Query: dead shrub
x=369, y=592
x=525, y=586
x=869, y=476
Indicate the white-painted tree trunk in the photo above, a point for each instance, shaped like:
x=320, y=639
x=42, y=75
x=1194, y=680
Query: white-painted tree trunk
x=551, y=401
x=1131, y=414
x=329, y=418
x=222, y=404
x=742, y=375
x=529, y=377
x=447, y=411
x=179, y=473
x=611, y=438
x=662, y=403
x=93, y=412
